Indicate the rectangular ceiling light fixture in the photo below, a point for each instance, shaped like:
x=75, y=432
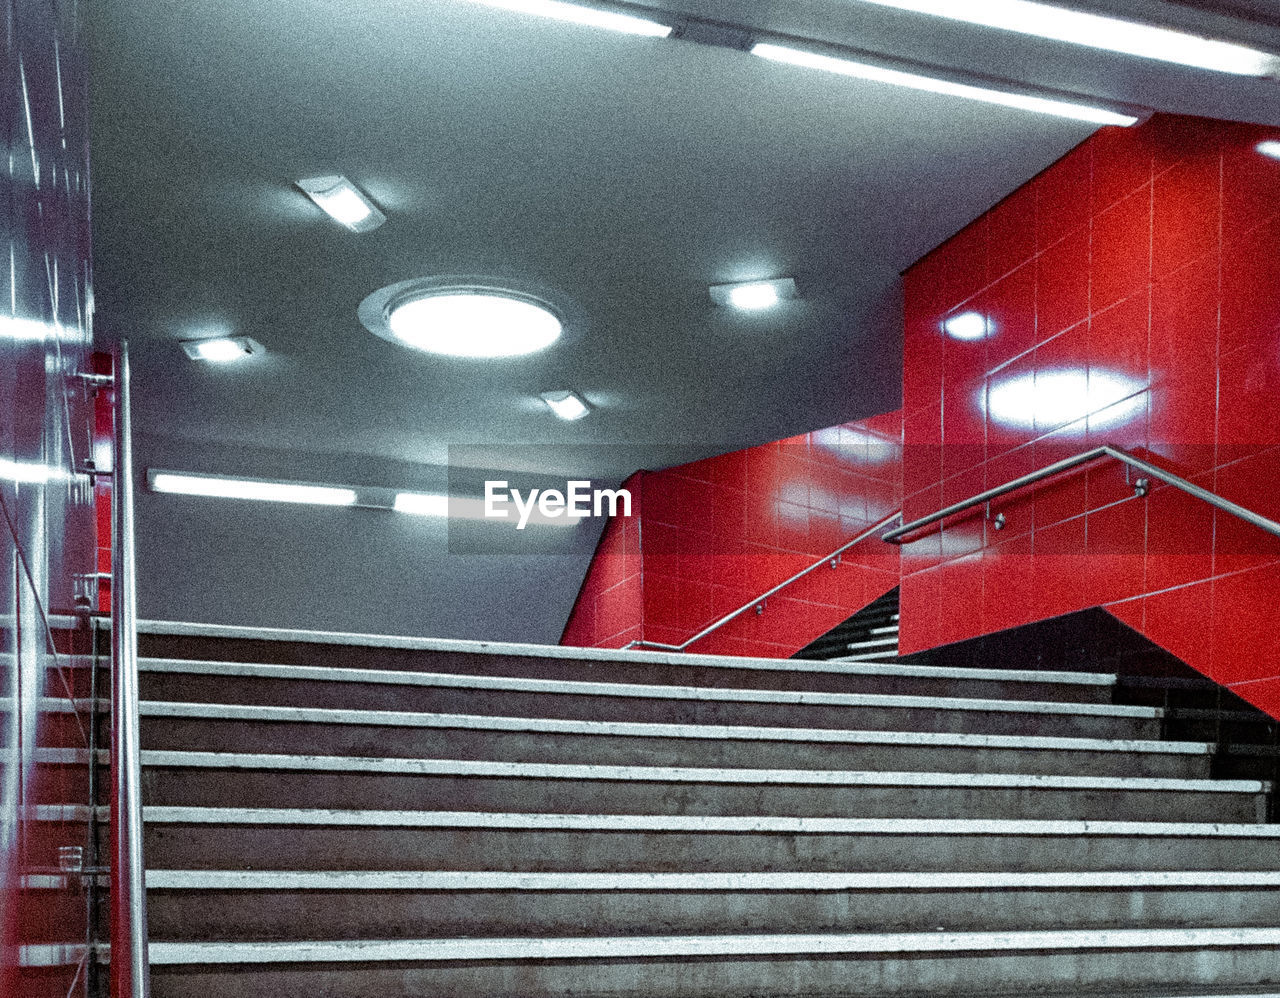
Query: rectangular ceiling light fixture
x=1097, y=31
x=591, y=16
x=224, y=487
x=567, y=405
x=1270, y=148
x=344, y=202
x=915, y=81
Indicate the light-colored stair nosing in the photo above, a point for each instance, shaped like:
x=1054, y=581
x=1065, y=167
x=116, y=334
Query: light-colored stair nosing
x=647, y=729
x=839, y=666
x=740, y=882
x=690, y=947
x=872, y=643
x=888, y=629
x=730, y=824
x=635, y=691
x=178, y=759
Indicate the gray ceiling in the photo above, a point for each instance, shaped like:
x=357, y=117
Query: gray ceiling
x=625, y=175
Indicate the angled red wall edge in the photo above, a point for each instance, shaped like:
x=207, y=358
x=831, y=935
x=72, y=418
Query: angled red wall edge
x=1132, y=293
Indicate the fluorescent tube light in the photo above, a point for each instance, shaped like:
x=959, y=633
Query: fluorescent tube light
x=591, y=16
x=1271, y=149
x=897, y=77
x=222, y=349
x=567, y=405
x=421, y=504
x=344, y=202
x=28, y=472
x=1097, y=31
x=217, y=486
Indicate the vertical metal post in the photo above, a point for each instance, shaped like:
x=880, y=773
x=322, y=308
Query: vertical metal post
x=130, y=968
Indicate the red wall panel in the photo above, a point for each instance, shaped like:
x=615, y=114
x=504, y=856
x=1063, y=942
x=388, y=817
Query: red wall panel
x=707, y=537
x=1132, y=293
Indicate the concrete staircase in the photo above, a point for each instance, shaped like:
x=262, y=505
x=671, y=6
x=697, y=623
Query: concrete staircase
x=334, y=816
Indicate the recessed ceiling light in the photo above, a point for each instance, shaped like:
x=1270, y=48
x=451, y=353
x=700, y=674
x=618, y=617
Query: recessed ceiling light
x=915, y=81
x=223, y=487
x=967, y=326
x=463, y=321
x=1112, y=34
x=567, y=405
x=1271, y=149
x=222, y=349
x=344, y=202
x=592, y=16
x=753, y=296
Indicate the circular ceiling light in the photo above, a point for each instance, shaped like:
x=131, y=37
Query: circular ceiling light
x=462, y=320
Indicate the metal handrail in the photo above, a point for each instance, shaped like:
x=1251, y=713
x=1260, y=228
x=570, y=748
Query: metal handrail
x=1086, y=457
x=130, y=965
x=759, y=600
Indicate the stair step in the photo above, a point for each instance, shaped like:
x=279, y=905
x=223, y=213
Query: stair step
x=298, y=838
x=949, y=963
x=255, y=904
x=288, y=730
x=318, y=686
x=847, y=674
x=183, y=778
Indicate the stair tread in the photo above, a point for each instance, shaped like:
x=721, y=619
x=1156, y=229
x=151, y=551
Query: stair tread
x=680, y=774
x=633, y=690
x=333, y=715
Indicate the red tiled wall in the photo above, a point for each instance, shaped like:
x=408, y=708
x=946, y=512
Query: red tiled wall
x=609, y=610
x=1133, y=291
x=711, y=535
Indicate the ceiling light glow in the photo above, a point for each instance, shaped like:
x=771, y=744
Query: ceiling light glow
x=473, y=322
x=421, y=504
x=567, y=405
x=344, y=202
x=218, y=487
x=1097, y=31
x=1271, y=149
x=967, y=326
x=754, y=296
x=591, y=16
x=896, y=77
x=222, y=349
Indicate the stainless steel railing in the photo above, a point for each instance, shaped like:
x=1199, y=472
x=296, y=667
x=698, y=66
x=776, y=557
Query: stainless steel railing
x=130, y=967
x=1086, y=457
x=759, y=601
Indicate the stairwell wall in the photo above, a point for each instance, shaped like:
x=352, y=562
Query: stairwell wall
x=1131, y=295
x=708, y=536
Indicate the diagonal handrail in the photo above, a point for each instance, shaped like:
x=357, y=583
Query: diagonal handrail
x=759, y=600
x=1068, y=463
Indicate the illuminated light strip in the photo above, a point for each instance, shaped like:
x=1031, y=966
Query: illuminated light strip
x=1097, y=31
x=29, y=472
x=466, y=508
x=590, y=16
x=915, y=81
x=245, y=488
